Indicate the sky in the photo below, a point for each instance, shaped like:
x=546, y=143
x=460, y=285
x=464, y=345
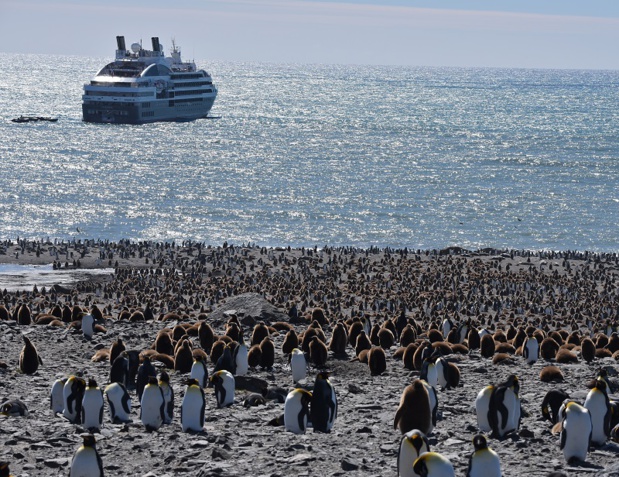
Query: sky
x=568, y=34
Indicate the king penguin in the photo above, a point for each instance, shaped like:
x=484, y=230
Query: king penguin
x=412, y=445
x=530, y=350
x=92, y=407
x=296, y=410
x=324, y=404
x=72, y=395
x=484, y=462
x=55, y=396
x=168, y=397
x=433, y=464
x=199, y=371
x=223, y=382
x=146, y=370
x=298, y=365
x=88, y=326
x=152, y=405
x=192, y=407
x=482, y=407
x=119, y=403
x=86, y=461
x=576, y=432
x=504, y=411
x=240, y=357
x=598, y=404
x=29, y=358
x=415, y=410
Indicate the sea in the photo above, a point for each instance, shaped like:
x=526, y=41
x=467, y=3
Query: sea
x=321, y=155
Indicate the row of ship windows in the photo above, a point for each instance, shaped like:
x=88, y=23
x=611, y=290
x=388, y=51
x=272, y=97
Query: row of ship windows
x=145, y=94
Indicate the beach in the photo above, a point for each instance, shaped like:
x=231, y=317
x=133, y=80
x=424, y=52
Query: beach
x=183, y=283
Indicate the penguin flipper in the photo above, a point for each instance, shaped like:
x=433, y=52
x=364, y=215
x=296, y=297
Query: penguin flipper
x=563, y=439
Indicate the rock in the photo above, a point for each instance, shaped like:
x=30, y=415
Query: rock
x=250, y=304
x=349, y=464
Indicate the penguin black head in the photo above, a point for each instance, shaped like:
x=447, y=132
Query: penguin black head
x=192, y=382
x=89, y=440
x=480, y=442
x=153, y=380
x=513, y=382
x=92, y=383
x=323, y=375
x=417, y=440
x=600, y=384
x=164, y=377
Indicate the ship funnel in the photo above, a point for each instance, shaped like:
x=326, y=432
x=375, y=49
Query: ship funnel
x=156, y=45
x=120, y=41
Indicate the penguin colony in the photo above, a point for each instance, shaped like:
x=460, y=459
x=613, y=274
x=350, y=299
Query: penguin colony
x=435, y=319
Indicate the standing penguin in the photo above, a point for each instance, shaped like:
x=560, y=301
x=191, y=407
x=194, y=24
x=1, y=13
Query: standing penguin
x=119, y=372
x=146, y=370
x=530, y=350
x=240, y=358
x=225, y=361
x=119, y=403
x=484, y=462
x=152, y=405
x=433, y=464
x=576, y=432
x=192, y=407
x=552, y=403
x=598, y=404
x=296, y=410
x=412, y=445
x=55, y=396
x=29, y=358
x=482, y=407
x=298, y=365
x=324, y=404
x=414, y=411
x=199, y=371
x=86, y=461
x=92, y=407
x=504, y=411
x=73, y=395
x=223, y=382
x=168, y=397
x=88, y=326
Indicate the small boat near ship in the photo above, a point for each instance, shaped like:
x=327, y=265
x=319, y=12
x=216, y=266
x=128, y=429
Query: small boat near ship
x=30, y=119
x=144, y=86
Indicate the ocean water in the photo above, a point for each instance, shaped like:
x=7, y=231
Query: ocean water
x=306, y=155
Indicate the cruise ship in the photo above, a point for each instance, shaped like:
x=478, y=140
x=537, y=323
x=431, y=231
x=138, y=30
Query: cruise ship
x=144, y=86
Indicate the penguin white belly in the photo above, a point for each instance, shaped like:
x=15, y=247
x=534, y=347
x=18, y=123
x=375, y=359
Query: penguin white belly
x=433, y=399
x=92, y=409
x=192, y=410
x=407, y=456
x=432, y=375
x=119, y=402
x=512, y=404
x=88, y=325
x=241, y=360
x=575, y=434
x=485, y=463
x=295, y=414
x=85, y=463
x=151, y=410
x=56, y=396
x=441, y=369
x=482, y=407
x=298, y=365
x=198, y=372
x=168, y=397
x=532, y=349
x=596, y=404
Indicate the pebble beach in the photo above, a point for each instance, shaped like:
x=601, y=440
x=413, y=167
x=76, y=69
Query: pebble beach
x=147, y=287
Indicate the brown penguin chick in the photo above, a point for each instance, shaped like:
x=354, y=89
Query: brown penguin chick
x=414, y=410
x=183, y=358
x=206, y=336
x=460, y=348
x=487, y=346
x=551, y=374
x=363, y=356
x=180, y=342
x=217, y=350
x=339, y=340
x=318, y=314
x=165, y=359
x=24, y=316
x=178, y=332
x=354, y=329
x=602, y=353
x=574, y=338
x=555, y=335
x=254, y=356
x=95, y=311
x=374, y=335
x=137, y=317
x=500, y=336
x=101, y=355
x=44, y=319
x=452, y=375
x=601, y=340
x=199, y=352
x=473, y=339
x=282, y=326
x=587, y=349
x=163, y=343
x=548, y=349
x=505, y=348
x=435, y=335
x=408, y=356
x=613, y=342
x=520, y=337
x=116, y=348
x=4, y=313
x=386, y=338
x=565, y=356
x=377, y=360
x=318, y=352
x=29, y=359
x=408, y=335
x=443, y=347
x=502, y=358
x=398, y=354
x=233, y=330
x=260, y=332
x=420, y=354
x=363, y=342
x=291, y=341
x=453, y=336
x=267, y=353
